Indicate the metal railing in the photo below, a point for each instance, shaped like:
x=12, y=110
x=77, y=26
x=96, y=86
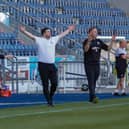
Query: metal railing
x=71, y=76
x=9, y=73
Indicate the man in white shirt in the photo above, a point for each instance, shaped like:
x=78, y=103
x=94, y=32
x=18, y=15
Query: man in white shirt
x=46, y=59
x=121, y=65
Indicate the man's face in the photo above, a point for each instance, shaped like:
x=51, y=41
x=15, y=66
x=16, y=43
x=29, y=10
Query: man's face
x=93, y=33
x=123, y=44
x=47, y=34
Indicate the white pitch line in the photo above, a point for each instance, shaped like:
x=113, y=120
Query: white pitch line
x=24, y=103
x=63, y=110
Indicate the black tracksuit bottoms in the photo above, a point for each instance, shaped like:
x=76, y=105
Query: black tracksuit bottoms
x=92, y=72
x=48, y=72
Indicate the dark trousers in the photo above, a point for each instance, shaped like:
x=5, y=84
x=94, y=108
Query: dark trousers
x=48, y=72
x=92, y=72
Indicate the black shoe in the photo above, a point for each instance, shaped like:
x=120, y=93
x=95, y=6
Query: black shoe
x=124, y=94
x=94, y=100
x=116, y=94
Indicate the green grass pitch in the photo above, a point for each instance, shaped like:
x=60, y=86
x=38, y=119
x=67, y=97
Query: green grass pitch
x=108, y=114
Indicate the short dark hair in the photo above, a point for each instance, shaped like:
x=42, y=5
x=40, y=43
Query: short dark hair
x=44, y=30
x=94, y=27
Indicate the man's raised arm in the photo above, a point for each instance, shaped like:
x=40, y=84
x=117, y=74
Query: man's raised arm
x=70, y=28
x=28, y=34
x=112, y=42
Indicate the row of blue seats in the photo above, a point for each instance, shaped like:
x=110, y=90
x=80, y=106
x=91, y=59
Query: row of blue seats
x=15, y=42
x=68, y=10
x=64, y=4
x=108, y=12
x=22, y=53
x=83, y=0
x=40, y=1
x=52, y=18
x=80, y=21
x=82, y=29
x=40, y=6
x=17, y=47
x=7, y=41
x=63, y=18
x=18, y=50
x=67, y=19
x=92, y=12
x=106, y=22
x=74, y=3
x=49, y=9
x=7, y=35
x=86, y=4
